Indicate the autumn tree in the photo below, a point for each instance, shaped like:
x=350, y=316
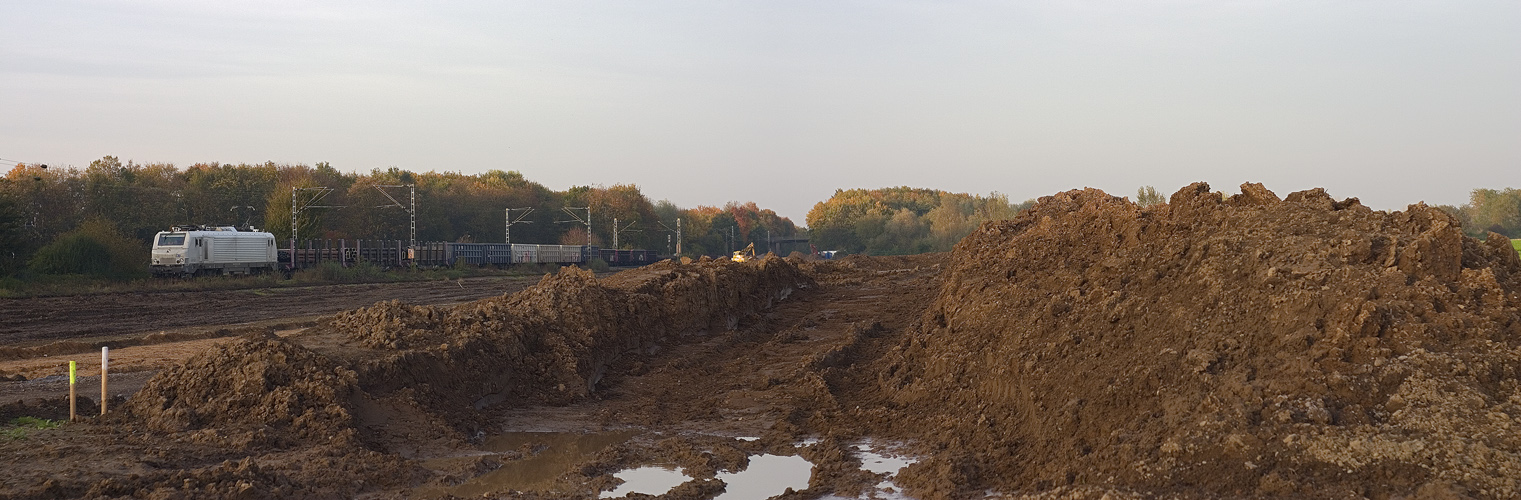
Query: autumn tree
x=51, y=201
x=139, y=200
x=1495, y=210
x=215, y=193
x=304, y=184
x=901, y=220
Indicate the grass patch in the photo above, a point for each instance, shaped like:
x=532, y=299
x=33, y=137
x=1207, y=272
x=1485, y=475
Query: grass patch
x=20, y=427
x=1516, y=244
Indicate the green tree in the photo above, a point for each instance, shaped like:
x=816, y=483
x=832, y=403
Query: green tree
x=902, y=220
x=215, y=193
x=1147, y=196
x=666, y=214
x=12, y=242
x=51, y=201
x=1492, y=210
x=903, y=233
x=277, y=210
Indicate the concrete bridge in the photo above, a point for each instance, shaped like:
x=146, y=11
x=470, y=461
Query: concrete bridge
x=784, y=246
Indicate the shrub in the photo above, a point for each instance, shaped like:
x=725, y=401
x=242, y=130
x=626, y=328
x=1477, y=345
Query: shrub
x=95, y=248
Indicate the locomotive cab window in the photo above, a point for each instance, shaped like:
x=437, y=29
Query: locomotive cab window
x=172, y=240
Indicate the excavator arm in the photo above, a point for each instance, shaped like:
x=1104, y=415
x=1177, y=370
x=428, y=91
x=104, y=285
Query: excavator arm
x=747, y=254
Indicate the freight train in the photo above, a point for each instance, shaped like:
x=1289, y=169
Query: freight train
x=394, y=253
x=199, y=250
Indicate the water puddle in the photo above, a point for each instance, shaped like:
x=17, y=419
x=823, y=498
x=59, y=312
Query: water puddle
x=546, y=456
x=880, y=463
x=649, y=480
x=767, y=476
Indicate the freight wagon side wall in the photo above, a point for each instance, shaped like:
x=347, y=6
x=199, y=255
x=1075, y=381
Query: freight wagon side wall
x=547, y=254
x=481, y=254
x=240, y=249
x=525, y=253
x=564, y=254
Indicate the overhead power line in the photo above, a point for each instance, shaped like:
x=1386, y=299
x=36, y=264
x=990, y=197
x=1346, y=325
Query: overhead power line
x=18, y=162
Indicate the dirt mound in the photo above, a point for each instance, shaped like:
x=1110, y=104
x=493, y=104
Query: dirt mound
x=552, y=343
x=393, y=325
x=1241, y=346
x=259, y=390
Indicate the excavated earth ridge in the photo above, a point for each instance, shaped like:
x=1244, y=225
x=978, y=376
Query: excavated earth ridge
x=1241, y=346
x=553, y=342
x=263, y=399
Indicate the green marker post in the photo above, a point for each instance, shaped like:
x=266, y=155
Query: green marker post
x=72, y=371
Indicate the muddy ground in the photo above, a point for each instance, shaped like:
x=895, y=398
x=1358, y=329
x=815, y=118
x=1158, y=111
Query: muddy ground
x=740, y=365
x=1244, y=346
x=33, y=321
x=153, y=330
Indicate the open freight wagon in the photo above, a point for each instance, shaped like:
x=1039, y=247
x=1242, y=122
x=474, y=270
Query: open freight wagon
x=394, y=253
x=615, y=257
x=500, y=254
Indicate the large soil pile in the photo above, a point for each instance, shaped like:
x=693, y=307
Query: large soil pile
x=259, y=390
x=1241, y=346
x=552, y=343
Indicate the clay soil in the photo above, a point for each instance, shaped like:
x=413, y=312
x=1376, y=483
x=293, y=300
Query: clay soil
x=1245, y=346
x=150, y=331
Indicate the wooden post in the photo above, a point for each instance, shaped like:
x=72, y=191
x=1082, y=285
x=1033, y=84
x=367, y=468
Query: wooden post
x=105, y=363
x=72, y=415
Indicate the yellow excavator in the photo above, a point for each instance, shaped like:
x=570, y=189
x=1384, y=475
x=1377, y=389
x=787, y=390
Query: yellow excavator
x=746, y=255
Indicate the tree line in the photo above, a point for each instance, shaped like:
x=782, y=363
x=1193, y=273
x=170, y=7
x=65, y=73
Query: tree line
x=902, y=220
x=1490, y=210
x=126, y=201
x=64, y=220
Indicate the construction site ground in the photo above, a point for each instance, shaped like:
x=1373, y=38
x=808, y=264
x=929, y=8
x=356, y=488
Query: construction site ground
x=1214, y=346
x=148, y=331
x=732, y=383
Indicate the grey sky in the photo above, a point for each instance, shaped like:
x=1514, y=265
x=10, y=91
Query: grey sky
x=783, y=102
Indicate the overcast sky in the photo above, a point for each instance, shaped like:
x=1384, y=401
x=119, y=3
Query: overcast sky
x=782, y=102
